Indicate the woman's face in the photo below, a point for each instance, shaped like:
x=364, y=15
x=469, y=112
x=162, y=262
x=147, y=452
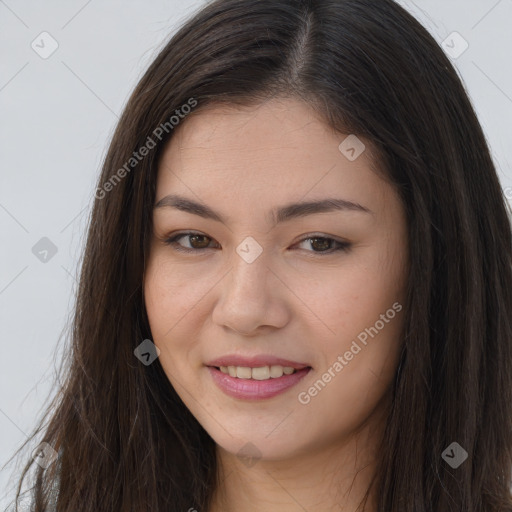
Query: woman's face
x=266, y=288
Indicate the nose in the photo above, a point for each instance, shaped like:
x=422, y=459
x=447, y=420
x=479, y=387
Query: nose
x=251, y=298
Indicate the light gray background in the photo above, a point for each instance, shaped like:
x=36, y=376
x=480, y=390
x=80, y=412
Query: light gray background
x=57, y=117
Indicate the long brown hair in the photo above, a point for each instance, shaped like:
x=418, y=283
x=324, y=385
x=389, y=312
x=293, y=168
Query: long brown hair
x=125, y=440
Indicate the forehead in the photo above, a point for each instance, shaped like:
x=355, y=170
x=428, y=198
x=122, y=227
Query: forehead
x=276, y=151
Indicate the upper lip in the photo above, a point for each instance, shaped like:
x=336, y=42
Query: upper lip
x=255, y=361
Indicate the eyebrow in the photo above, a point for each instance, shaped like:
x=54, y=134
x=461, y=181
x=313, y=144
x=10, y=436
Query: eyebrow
x=280, y=214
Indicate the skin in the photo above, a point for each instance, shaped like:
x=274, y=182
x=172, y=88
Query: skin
x=293, y=301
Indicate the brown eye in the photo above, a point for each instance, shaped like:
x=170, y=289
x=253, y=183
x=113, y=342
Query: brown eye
x=327, y=245
x=197, y=242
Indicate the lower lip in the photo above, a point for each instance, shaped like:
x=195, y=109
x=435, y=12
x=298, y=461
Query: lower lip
x=250, y=389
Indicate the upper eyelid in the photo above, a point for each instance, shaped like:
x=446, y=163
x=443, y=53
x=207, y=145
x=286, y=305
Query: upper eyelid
x=199, y=233
x=178, y=235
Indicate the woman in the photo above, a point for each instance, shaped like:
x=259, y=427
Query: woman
x=296, y=283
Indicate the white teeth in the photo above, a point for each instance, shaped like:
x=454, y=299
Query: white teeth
x=276, y=371
x=242, y=372
x=260, y=373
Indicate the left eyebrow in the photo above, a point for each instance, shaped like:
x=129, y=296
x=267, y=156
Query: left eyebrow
x=280, y=214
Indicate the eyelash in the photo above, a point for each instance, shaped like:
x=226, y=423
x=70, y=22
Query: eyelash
x=172, y=241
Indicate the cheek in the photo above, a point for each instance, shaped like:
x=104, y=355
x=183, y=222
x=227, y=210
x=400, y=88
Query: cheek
x=350, y=298
x=355, y=376
x=363, y=308
x=164, y=305
x=170, y=294
x=172, y=300
x=159, y=301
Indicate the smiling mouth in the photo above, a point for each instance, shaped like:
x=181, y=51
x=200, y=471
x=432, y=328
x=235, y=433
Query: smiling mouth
x=258, y=383
x=259, y=373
